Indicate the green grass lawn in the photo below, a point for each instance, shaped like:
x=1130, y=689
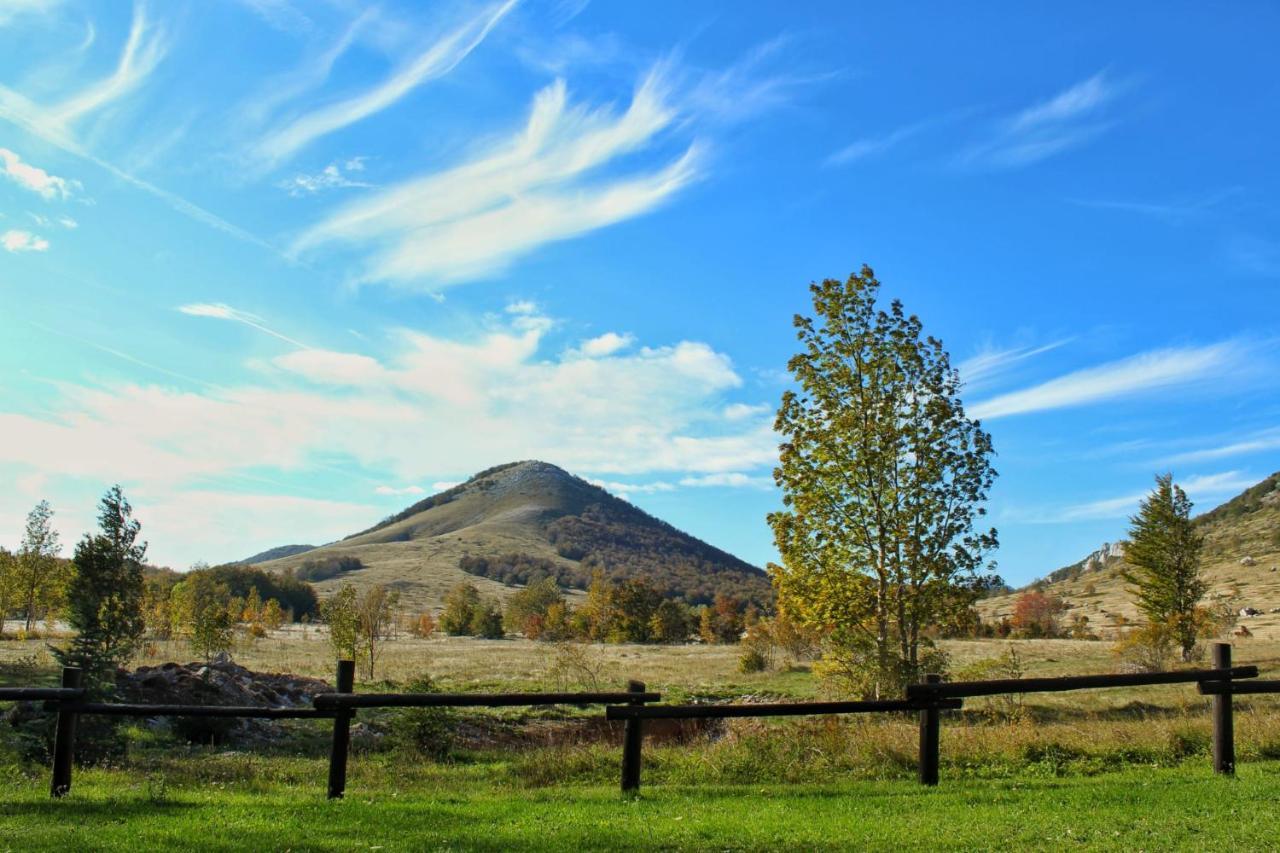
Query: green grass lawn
x=1150, y=808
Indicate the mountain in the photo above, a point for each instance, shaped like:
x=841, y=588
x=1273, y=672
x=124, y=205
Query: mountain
x=277, y=552
x=1241, y=561
x=522, y=520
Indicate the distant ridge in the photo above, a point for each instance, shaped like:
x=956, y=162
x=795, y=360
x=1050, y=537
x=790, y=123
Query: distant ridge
x=1241, y=560
x=278, y=552
x=512, y=522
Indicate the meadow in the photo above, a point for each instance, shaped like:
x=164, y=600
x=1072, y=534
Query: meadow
x=1114, y=768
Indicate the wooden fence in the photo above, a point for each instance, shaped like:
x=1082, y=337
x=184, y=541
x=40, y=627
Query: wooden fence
x=928, y=699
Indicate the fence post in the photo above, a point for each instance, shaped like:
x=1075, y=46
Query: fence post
x=64, y=739
x=341, y=732
x=632, y=741
x=1224, y=746
x=930, y=725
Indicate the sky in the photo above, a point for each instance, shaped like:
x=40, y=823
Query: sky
x=282, y=268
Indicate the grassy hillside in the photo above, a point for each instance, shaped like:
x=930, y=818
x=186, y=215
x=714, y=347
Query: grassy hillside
x=278, y=552
x=1241, y=563
x=539, y=514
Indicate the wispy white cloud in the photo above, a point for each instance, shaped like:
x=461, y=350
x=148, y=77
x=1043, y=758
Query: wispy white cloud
x=1259, y=442
x=280, y=14
x=444, y=485
x=334, y=176
x=44, y=123
x=624, y=490
x=992, y=362
x=743, y=411
x=1199, y=488
x=762, y=80
x=312, y=72
x=1174, y=211
x=142, y=52
x=17, y=240
x=13, y=9
x=536, y=188
x=219, y=311
x=33, y=178
x=1067, y=120
x=437, y=60
x=392, y=491
x=870, y=146
x=1163, y=368
x=730, y=480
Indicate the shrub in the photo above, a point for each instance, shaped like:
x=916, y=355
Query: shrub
x=1149, y=648
x=752, y=660
x=427, y=732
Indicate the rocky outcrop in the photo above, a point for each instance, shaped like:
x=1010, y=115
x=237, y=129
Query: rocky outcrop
x=1099, y=558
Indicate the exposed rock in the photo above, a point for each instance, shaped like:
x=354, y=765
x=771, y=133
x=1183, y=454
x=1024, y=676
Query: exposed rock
x=1248, y=561
x=1250, y=611
x=1099, y=558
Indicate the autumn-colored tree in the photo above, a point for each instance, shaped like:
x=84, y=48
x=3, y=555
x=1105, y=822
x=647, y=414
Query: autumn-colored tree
x=8, y=584
x=375, y=612
x=272, y=615
x=526, y=610
x=725, y=619
x=883, y=478
x=672, y=622
x=1035, y=614
x=424, y=626
x=460, y=606
x=1162, y=563
x=340, y=613
x=252, y=612
x=42, y=577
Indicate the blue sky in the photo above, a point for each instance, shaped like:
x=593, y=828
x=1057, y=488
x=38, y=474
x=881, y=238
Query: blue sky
x=280, y=268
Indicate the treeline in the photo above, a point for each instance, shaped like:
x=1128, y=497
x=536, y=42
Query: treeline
x=629, y=611
x=318, y=569
x=627, y=543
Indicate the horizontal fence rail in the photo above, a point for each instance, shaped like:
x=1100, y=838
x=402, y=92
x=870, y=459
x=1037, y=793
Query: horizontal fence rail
x=473, y=700
x=632, y=707
x=36, y=694
x=1238, y=688
x=999, y=686
x=112, y=709
x=775, y=709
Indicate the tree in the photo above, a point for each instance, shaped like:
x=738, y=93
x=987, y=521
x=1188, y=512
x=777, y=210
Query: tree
x=104, y=598
x=375, y=611
x=671, y=622
x=1162, y=563
x=460, y=606
x=632, y=604
x=252, y=612
x=41, y=580
x=529, y=606
x=200, y=612
x=486, y=620
x=339, y=611
x=8, y=584
x=272, y=615
x=883, y=478
x=725, y=618
x=1035, y=614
